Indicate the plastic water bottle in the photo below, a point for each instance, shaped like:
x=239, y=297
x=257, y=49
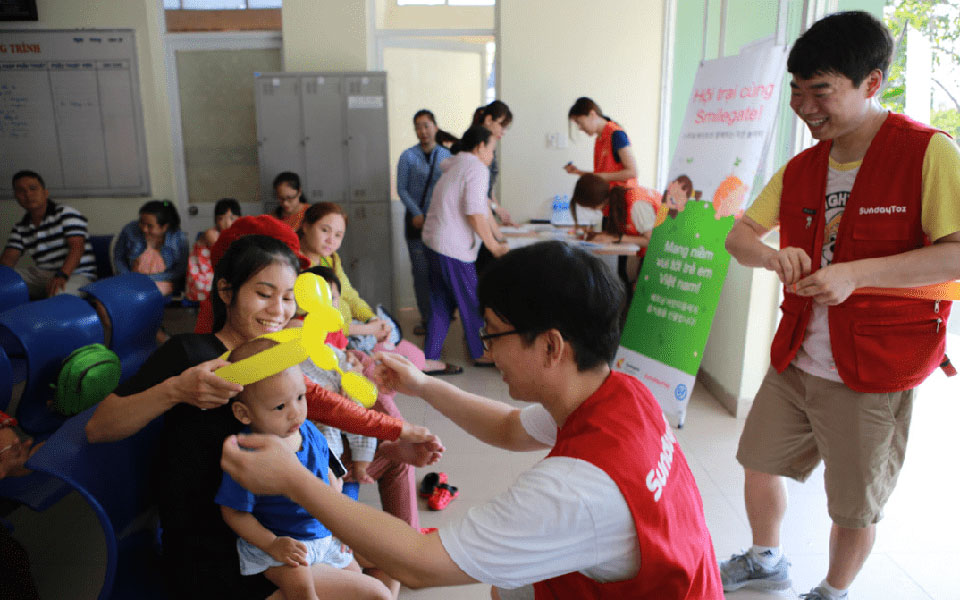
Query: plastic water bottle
x=561, y=211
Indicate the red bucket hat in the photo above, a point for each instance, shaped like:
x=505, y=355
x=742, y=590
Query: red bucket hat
x=257, y=225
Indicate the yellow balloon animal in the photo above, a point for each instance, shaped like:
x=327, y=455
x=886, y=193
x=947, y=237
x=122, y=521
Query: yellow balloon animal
x=296, y=345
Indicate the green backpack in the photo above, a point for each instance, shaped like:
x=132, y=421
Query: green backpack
x=86, y=377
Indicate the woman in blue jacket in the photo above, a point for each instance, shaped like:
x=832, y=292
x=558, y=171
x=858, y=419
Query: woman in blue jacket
x=154, y=245
x=417, y=171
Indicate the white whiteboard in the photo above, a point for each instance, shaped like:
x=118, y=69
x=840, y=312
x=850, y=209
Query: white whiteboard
x=70, y=110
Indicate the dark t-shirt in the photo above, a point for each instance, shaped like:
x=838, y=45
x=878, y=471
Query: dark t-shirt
x=618, y=141
x=199, y=549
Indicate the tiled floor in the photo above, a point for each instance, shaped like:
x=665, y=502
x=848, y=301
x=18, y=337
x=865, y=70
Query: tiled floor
x=916, y=554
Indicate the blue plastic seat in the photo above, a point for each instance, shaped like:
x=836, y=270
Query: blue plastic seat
x=101, y=253
x=135, y=308
x=13, y=289
x=6, y=379
x=37, y=337
x=115, y=479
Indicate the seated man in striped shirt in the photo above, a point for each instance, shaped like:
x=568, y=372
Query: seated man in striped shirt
x=55, y=237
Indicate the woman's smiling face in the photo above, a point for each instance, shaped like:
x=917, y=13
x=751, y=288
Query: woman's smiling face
x=263, y=304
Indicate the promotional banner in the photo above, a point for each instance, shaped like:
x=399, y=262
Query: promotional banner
x=729, y=118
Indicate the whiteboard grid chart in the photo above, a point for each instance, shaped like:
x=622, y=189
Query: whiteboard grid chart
x=70, y=110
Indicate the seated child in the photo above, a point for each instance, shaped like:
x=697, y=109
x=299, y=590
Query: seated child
x=199, y=266
x=362, y=448
x=155, y=246
x=397, y=482
x=277, y=537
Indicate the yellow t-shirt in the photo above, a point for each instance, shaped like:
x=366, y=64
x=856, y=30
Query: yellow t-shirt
x=940, y=210
x=940, y=216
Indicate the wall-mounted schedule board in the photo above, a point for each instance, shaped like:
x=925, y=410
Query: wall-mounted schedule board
x=70, y=110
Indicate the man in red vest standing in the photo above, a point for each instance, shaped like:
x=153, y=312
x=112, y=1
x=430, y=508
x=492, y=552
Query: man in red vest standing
x=611, y=513
x=871, y=205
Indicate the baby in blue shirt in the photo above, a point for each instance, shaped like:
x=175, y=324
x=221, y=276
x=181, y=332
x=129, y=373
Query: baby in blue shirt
x=276, y=536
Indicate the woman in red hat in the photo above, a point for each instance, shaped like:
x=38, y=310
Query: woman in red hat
x=254, y=279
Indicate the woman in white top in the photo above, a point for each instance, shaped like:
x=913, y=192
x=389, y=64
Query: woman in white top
x=457, y=222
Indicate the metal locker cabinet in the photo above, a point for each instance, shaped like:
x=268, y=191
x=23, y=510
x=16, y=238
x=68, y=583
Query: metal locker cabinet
x=331, y=129
x=367, y=138
x=279, y=129
x=325, y=173
x=367, y=256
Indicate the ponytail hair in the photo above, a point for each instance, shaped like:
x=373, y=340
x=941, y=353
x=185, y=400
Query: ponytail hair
x=164, y=211
x=582, y=108
x=617, y=211
x=473, y=137
x=496, y=110
x=445, y=138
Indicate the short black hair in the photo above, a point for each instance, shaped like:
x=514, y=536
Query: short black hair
x=327, y=274
x=851, y=43
x=25, y=173
x=225, y=205
x=288, y=177
x=552, y=285
x=424, y=113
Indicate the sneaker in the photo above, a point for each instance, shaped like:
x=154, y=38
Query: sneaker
x=744, y=570
x=818, y=593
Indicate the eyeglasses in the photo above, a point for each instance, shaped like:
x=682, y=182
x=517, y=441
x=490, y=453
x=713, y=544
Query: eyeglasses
x=486, y=337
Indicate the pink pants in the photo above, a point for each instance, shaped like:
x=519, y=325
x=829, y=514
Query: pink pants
x=396, y=480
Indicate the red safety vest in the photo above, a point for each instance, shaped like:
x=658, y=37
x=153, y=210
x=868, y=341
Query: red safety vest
x=879, y=343
x=621, y=430
x=605, y=161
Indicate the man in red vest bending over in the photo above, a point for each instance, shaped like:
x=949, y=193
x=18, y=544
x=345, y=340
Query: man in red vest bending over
x=611, y=513
x=872, y=205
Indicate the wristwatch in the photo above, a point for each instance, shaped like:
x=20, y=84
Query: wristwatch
x=61, y=274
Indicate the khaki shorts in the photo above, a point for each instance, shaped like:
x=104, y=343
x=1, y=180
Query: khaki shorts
x=798, y=418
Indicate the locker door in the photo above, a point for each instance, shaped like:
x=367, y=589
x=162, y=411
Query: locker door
x=367, y=257
x=367, y=143
x=279, y=130
x=325, y=177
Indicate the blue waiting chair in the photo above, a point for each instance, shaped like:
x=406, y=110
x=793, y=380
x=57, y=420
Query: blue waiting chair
x=37, y=337
x=135, y=308
x=13, y=290
x=101, y=253
x=115, y=479
x=6, y=379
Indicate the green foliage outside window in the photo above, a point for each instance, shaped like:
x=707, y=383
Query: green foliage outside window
x=939, y=21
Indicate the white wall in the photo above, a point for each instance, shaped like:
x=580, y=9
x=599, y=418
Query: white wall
x=551, y=53
x=329, y=35
x=108, y=215
x=391, y=16
x=737, y=354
